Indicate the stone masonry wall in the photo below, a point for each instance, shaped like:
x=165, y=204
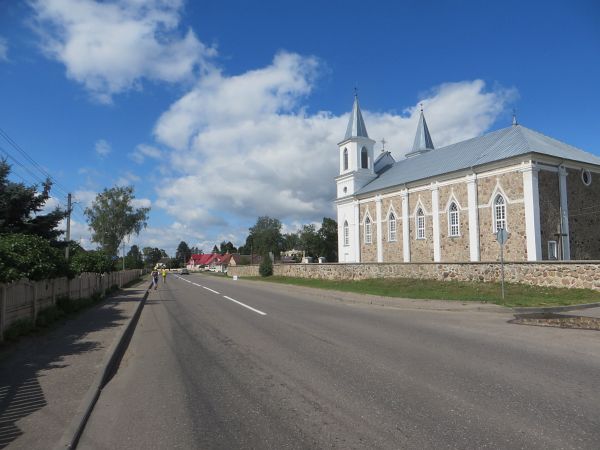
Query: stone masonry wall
x=515, y=248
x=584, y=215
x=368, y=252
x=549, y=209
x=454, y=248
x=555, y=274
x=392, y=251
x=421, y=250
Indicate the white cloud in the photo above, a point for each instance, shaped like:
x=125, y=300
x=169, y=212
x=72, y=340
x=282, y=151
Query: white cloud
x=3, y=49
x=144, y=151
x=127, y=179
x=243, y=146
x=102, y=148
x=109, y=47
x=141, y=203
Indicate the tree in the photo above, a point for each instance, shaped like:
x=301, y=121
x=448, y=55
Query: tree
x=328, y=235
x=29, y=256
x=266, y=266
x=215, y=249
x=92, y=261
x=309, y=240
x=227, y=247
x=291, y=241
x=183, y=253
x=152, y=256
x=196, y=251
x=112, y=217
x=20, y=208
x=265, y=236
x=134, y=258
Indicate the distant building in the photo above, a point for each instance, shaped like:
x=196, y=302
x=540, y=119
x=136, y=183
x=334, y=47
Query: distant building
x=446, y=204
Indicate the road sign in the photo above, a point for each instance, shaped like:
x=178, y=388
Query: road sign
x=502, y=236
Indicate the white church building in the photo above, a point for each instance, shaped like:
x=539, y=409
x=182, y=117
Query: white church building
x=446, y=204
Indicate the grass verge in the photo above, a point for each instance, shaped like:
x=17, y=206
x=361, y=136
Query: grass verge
x=520, y=295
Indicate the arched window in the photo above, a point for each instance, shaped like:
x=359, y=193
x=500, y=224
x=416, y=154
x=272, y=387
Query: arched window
x=346, y=234
x=420, y=222
x=453, y=220
x=392, y=227
x=345, y=159
x=499, y=213
x=364, y=158
x=368, y=232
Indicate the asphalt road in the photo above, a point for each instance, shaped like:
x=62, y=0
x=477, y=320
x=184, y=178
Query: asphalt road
x=304, y=371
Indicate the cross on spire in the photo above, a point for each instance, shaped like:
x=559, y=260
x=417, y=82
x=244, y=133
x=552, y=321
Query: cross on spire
x=514, y=120
x=383, y=142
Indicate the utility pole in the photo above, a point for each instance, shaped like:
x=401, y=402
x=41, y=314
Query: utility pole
x=68, y=225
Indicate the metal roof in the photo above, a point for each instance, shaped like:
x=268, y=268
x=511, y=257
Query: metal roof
x=356, y=124
x=423, y=139
x=501, y=144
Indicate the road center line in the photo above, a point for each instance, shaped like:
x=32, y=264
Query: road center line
x=211, y=290
x=246, y=306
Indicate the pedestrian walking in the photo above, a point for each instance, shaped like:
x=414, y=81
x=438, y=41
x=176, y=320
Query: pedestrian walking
x=155, y=278
x=164, y=275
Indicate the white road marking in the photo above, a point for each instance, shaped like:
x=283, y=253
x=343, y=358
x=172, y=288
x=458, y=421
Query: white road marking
x=228, y=298
x=246, y=306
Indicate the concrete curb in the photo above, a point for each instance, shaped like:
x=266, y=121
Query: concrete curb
x=111, y=360
x=555, y=309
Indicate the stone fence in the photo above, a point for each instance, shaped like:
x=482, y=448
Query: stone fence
x=569, y=274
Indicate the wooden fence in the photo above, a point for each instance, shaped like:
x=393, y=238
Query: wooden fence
x=23, y=299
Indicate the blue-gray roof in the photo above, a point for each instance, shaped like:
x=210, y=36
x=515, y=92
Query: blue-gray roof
x=423, y=139
x=501, y=144
x=356, y=124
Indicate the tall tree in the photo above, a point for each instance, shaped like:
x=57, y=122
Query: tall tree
x=265, y=236
x=196, y=251
x=227, y=247
x=134, y=258
x=183, y=252
x=152, y=255
x=309, y=240
x=215, y=249
x=328, y=235
x=291, y=241
x=112, y=217
x=21, y=206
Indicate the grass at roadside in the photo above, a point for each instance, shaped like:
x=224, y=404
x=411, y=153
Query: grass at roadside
x=515, y=294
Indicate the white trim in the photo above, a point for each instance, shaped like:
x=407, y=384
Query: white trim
x=435, y=205
x=564, y=209
x=450, y=224
x=405, y=227
x=531, y=195
x=473, y=218
x=379, y=230
x=357, y=255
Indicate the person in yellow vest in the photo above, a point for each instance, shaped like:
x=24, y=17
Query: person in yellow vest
x=164, y=275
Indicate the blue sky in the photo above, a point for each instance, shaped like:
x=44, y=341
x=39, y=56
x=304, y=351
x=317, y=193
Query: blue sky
x=218, y=112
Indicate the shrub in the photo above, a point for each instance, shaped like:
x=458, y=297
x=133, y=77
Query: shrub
x=18, y=328
x=91, y=261
x=266, y=267
x=29, y=256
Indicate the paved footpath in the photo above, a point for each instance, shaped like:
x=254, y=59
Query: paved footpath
x=43, y=379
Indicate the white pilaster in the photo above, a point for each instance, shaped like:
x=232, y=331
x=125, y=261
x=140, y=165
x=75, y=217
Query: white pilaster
x=379, y=229
x=531, y=196
x=356, y=240
x=473, y=217
x=564, y=213
x=435, y=211
x=405, y=226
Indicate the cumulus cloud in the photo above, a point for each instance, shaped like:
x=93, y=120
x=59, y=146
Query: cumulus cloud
x=144, y=151
x=244, y=146
x=109, y=47
x=3, y=49
x=102, y=148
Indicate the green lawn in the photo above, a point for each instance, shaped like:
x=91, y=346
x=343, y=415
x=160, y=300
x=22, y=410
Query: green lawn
x=515, y=294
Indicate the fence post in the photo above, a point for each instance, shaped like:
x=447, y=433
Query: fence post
x=2, y=312
x=35, y=305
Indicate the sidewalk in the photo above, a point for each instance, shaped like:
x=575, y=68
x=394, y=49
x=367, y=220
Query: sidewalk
x=43, y=379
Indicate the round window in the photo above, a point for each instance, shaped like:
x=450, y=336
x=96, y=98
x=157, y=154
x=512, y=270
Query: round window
x=586, y=177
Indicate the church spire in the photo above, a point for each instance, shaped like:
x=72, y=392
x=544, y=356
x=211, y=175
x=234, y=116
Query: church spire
x=423, y=142
x=356, y=124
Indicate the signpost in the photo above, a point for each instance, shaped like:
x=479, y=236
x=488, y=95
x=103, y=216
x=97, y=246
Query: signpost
x=502, y=237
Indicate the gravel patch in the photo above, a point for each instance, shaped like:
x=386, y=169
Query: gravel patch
x=558, y=321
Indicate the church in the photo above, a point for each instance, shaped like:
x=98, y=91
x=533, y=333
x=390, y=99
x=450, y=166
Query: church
x=447, y=204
